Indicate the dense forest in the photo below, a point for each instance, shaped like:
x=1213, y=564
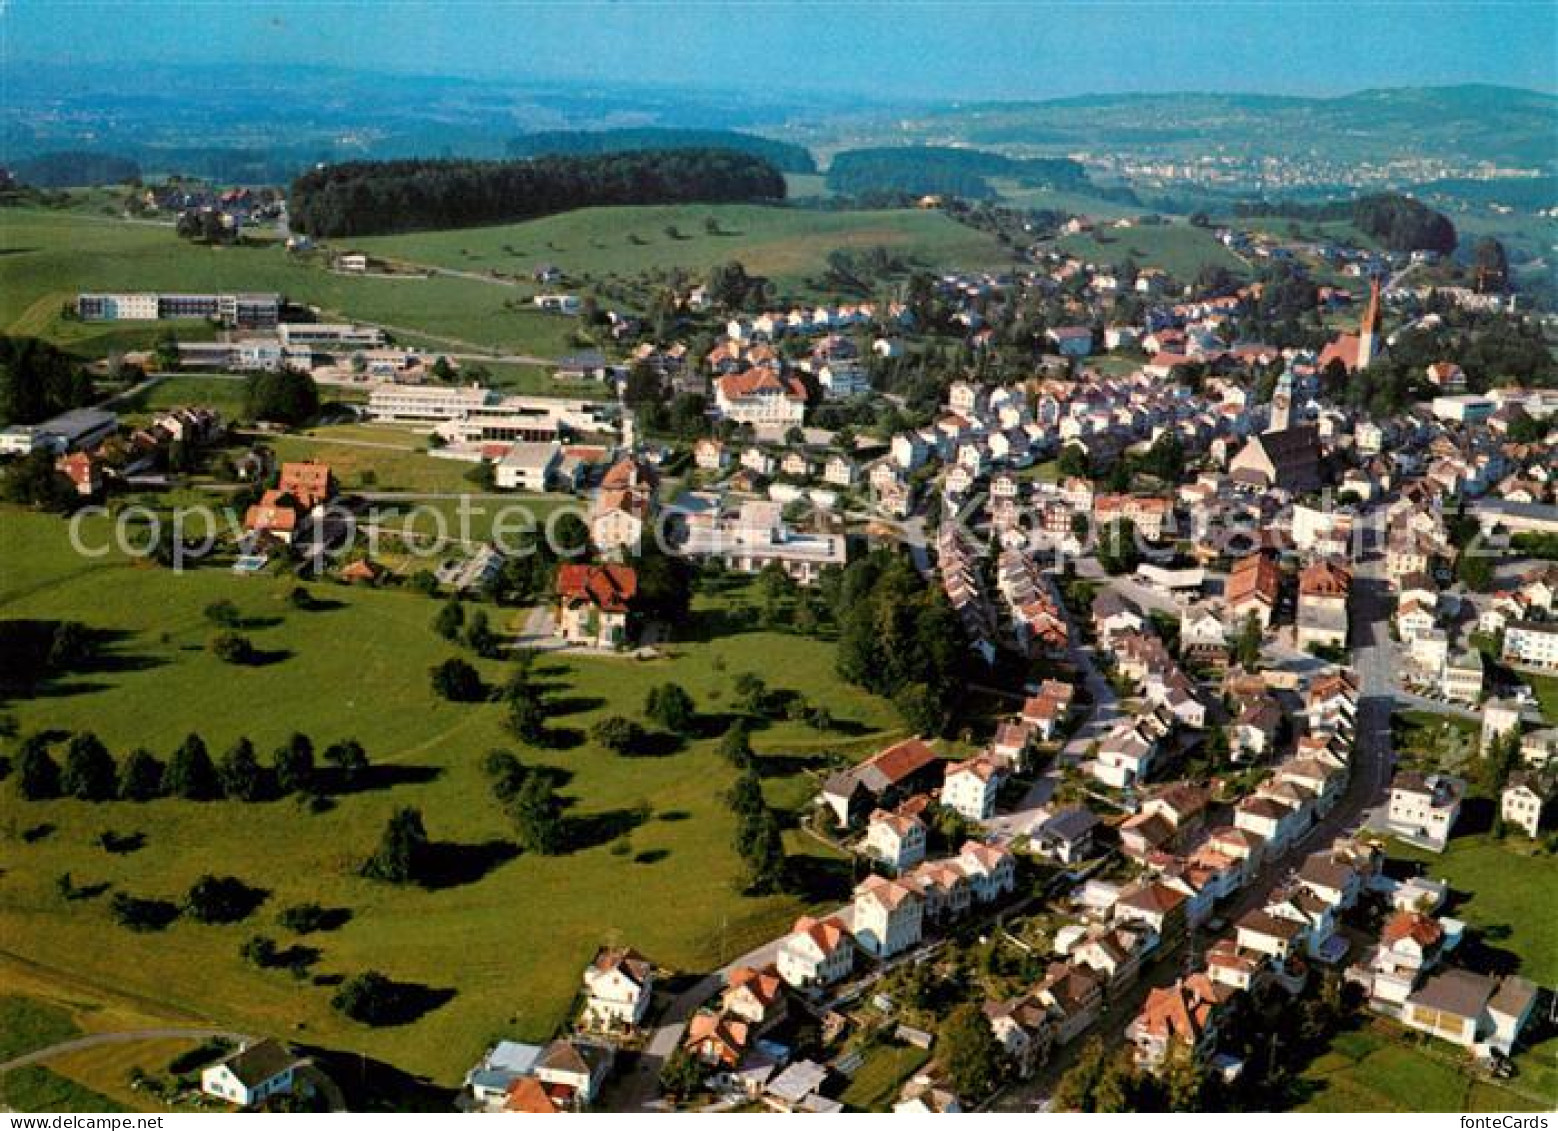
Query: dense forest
x=75, y=169
x=782, y=155
x=945, y=171
x=1398, y=222
x=38, y=381
x=373, y=197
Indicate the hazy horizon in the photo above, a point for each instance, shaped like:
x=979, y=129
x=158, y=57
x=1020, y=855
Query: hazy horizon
x=908, y=53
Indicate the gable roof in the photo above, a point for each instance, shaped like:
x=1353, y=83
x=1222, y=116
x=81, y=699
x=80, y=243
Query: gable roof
x=263, y=1060
x=609, y=587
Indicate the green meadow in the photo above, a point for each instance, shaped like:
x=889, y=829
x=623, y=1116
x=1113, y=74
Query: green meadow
x=507, y=936
x=787, y=245
x=47, y=258
x=1179, y=249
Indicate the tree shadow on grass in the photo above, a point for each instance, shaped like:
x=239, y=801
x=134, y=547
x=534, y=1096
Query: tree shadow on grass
x=452, y=865
x=573, y=704
x=651, y=856
x=265, y=657
x=596, y=829
x=373, y=1085
x=406, y=1002
x=374, y=778
x=819, y=878
x=673, y=815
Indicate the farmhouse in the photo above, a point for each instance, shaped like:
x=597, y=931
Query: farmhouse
x=251, y=1075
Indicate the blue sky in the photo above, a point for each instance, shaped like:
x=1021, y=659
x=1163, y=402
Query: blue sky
x=931, y=50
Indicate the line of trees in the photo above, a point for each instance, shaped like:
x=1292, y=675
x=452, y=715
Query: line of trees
x=947, y=171
x=370, y=197
x=1398, y=222
x=901, y=639
x=785, y=156
x=90, y=772
x=38, y=381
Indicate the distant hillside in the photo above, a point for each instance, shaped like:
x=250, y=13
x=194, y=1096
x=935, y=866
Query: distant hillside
x=947, y=171
x=783, y=155
x=378, y=197
x=1473, y=123
x=75, y=169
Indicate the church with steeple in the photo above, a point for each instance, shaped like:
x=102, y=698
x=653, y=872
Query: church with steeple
x=1285, y=456
x=1358, y=351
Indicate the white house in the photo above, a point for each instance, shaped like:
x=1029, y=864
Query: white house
x=888, y=916
x=970, y=788
x=254, y=1073
x=898, y=841
x=816, y=952
x=618, y=987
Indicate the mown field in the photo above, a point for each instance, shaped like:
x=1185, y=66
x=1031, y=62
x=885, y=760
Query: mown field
x=46, y=258
x=1179, y=249
x=784, y=244
x=1384, y=1068
x=507, y=935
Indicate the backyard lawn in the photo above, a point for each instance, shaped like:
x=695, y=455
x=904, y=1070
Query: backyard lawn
x=1385, y=1068
x=501, y=943
x=875, y=1084
x=1507, y=890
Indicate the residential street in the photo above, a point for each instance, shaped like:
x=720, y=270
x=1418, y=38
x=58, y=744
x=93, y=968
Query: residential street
x=1371, y=657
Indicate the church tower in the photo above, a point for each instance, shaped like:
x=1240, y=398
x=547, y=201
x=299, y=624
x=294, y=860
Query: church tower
x=1282, y=404
x=1368, y=332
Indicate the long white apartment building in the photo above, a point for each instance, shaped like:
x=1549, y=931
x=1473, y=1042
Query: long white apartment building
x=472, y=414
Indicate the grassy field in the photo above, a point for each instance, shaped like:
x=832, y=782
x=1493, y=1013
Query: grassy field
x=1179, y=249
x=876, y=1082
x=1078, y=204
x=787, y=245
x=507, y=936
x=178, y=390
x=41, y=1089
x=46, y=258
x=1507, y=891
x=1383, y=1068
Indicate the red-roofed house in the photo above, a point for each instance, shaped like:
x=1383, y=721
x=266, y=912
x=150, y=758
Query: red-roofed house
x=594, y=604
x=760, y=396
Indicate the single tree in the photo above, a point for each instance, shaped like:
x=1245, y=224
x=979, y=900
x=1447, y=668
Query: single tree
x=89, y=773
x=240, y=772
x=537, y=815
x=402, y=854
x=967, y=1046
x=349, y=759
x=190, y=774
x=671, y=707
x=293, y=764
x=37, y=773
x=457, y=681
x=140, y=778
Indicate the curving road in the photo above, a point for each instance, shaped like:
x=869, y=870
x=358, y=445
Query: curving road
x=128, y=1036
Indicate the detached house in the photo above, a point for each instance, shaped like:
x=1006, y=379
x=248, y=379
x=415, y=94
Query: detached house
x=594, y=604
x=618, y=987
x=816, y=952
x=1187, y=1013
x=251, y=1075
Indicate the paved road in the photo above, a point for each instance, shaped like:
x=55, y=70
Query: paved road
x=128, y=1036
x=1372, y=659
